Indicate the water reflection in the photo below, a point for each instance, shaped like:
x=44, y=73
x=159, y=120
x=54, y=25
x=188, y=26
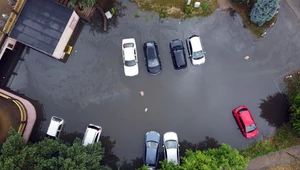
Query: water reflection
x=131, y=165
x=275, y=109
x=110, y=159
x=97, y=20
x=70, y=137
x=209, y=142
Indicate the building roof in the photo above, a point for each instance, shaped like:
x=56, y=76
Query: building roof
x=40, y=24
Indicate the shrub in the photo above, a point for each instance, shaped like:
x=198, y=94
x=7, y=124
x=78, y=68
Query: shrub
x=137, y=15
x=188, y=10
x=263, y=11
x=205, y=5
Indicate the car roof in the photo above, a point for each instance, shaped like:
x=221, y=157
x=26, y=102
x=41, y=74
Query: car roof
x=246, y=117
x=179, y=57
x=54, y=125
x=129, y=53
x=90, y=135
x=196, y=43
x=151, y=53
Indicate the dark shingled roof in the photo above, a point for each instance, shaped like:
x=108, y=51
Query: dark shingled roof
x=41, y=24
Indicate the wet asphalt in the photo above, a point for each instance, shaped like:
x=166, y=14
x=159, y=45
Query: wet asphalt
x=195, y=102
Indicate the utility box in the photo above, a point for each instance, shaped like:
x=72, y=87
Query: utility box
x=197, y=4
x=108, y=14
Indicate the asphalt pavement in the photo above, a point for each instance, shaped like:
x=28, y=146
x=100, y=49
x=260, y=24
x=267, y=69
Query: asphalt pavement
x=195, y=102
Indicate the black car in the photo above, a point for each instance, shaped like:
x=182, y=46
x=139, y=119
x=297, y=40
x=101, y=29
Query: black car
x=153, y=62
x=178, y=54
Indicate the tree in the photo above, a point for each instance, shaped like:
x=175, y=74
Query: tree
x=49, y=154
x=263, y=11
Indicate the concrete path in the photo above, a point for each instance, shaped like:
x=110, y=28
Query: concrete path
x=31, y=113
x=274, y=159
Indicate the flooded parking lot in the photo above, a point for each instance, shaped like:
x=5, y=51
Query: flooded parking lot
x=196, y=102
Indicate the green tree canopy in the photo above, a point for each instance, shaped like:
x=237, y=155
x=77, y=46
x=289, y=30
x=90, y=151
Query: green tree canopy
x=49, y=154
x=263, y=11
x=220, y=158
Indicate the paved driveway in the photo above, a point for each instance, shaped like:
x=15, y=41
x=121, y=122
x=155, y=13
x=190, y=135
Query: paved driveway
x=195, y=102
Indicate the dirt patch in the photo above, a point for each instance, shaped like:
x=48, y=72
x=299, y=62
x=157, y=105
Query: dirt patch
x=289, y=166
x=4, y=7
x=177, y=8
x=9, y=117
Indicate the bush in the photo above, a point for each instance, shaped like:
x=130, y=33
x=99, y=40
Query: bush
x=113, y=11
x=188, y=10
x=263, y=11
x=137, y=15
x=205, y=5
x=163, y=15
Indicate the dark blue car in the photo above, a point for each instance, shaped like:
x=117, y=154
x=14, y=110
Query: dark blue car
x=153, y=62
x=152, y=139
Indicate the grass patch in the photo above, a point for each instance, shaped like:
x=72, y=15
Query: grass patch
x=177, y=8
x=244, y=11
x=284, y=138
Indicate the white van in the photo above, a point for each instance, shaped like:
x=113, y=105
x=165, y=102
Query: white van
x=92, y=134
x=55, y=127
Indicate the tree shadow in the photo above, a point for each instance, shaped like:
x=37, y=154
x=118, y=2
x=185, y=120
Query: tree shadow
x=132, y=165
x=97, y=20
x=275, y=109
x=70, y=137
x=208, y=143
x=110, y=159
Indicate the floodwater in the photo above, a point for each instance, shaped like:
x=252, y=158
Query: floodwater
x=196, y=102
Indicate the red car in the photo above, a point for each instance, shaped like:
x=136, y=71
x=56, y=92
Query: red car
x=245, y=121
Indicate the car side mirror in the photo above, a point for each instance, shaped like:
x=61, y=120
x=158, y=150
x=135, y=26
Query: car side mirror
x=204, y=52
x=163, y=146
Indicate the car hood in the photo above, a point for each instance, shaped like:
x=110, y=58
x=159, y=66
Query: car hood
x=153, y=136
x=154, y=70
x=172, y=156
x=131, y=71
x=170, y=136
x=199, y=61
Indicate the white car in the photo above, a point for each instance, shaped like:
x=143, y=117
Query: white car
x=130, y=59
x=92, y=134
x=171, y=147
x=195, y=50
x=55, y=127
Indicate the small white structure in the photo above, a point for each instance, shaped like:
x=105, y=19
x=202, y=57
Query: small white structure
x=108, y=15
x=197, y=4
x=188, y=2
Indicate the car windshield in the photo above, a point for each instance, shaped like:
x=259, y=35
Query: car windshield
x=198, y=55
x=151, y=145
x=171, y=144
x=130, y=63
x=250, y=128
x=153, y=62
x=128, y=45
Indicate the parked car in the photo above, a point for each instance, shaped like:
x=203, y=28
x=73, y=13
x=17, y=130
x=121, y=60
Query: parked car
x=152, y=139
x=153, y=62
x=245, y=121
x=92, y=134
x=55, y=127
x=130, y=59
x=171, y=147
x=195, y=50
x=178, y=54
